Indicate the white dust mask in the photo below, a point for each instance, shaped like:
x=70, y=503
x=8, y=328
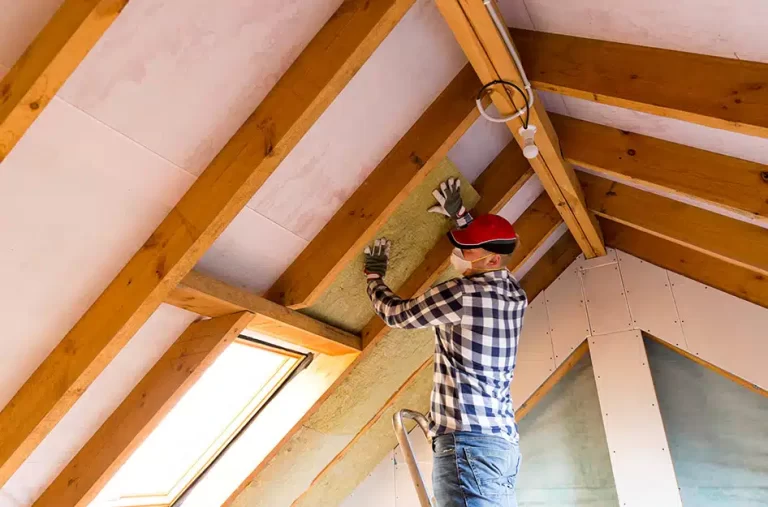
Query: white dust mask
x=459, y=262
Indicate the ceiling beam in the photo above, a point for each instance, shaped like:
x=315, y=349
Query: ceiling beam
x=207, y=296
x=710, y=178
x=142, y=410
x=550, y=266
x=300, y=96
x=728, y=239
x=352, y=227
x=51, y=58
x=708, y=90
x=537, y=223
x=475, y=31
x=735, y=280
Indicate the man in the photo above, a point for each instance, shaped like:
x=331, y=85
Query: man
x=477, y=321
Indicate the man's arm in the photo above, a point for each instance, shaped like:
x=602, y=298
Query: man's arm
x=440, y=305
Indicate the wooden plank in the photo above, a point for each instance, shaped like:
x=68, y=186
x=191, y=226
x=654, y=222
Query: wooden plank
x=142, y=410
x=474, y=30
x=550, y=266
x=717, y=92
x=730, y=376
x=210, y=297
x=403, y=169
x=719, y=180
x=496, y=185
x=556, y=376
x=51, y=58
x=728, y=239
x=533, y=227
x=228, y=183
x=735, y=280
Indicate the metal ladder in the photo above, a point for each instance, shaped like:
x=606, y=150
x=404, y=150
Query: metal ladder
x=410, y=458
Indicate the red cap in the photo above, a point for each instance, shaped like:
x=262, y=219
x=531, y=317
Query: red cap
x=489, y=232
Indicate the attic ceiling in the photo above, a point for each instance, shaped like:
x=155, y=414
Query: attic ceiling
x=169, y=83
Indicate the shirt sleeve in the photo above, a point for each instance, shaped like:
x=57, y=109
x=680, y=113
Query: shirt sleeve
x=440, y=305
x=464, y=220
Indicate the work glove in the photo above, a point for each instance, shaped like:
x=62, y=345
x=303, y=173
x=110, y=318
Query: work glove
x=448, y=196
x=376, y=259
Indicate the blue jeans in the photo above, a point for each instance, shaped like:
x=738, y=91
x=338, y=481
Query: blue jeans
x=474, y=470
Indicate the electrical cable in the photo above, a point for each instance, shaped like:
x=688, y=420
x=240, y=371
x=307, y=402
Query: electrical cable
x=526, y=110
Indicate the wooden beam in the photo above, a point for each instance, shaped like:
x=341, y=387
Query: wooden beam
x=710, y=178
x=496, y=185
x=142, y=410
x=735, y=280
x=418, y=152
x=475, y=31
x=556, y=376
x=537, y=223
x=550, y=266
x=728, y=239
x=716, y=92
x=210, y=297
x=306, y=89
x=724, y=373
x=51, y=58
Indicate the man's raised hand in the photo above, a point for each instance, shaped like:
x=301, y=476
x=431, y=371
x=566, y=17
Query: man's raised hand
x=448, y=196
x=376, y=259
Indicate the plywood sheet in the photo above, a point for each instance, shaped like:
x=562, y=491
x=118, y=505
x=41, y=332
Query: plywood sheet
x=689, y=25
x=184, y=82
x=412, y=231
x=98, y=402
x=251, y=253
x=20, y=24
x=650, y=299
x=568, y=323
x=371, y=114
x=72, y=213
x=723, y=330
x=606, y=303
x=634, y=430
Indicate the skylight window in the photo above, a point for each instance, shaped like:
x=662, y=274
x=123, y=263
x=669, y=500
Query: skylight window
x=199, y=427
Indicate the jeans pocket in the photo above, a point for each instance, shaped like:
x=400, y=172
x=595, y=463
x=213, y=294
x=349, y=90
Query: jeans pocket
x=494, y=471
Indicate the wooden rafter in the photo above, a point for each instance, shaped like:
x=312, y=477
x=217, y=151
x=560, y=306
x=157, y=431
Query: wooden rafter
x=728, y=239
x=51, y=58
x=707, y=177
x=537, y=223
x=210, y=297
x=550, y=266
x=735, y=280
x=475, y=31
x=306, y=89
x=733, y=96
x=142, y=410
x=368, y=208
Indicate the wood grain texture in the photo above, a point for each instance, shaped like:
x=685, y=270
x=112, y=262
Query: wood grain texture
x=483, y=44
x=667, y=167
x=210, y=297
x=550, y=266
x=533, y=227
x=368, y=208
x=728, y=239
x=735, y=280
x=142, y=410
x=228, y=183
x=712, y=91
x=496, y=185
x=556, y=376
x=51, y=58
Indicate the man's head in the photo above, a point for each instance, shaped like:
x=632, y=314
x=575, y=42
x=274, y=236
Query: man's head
x=486, y=244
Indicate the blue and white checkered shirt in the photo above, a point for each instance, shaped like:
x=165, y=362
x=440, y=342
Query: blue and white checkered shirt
x=477, y=323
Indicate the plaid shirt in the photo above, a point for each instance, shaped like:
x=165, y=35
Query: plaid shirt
x=477, y=323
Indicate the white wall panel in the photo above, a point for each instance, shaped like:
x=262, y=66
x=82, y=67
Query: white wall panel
x=724, y=330
x=479, y=145
x=535, y=356
x=606, y=304
x=650, y=299
x=640, y=457
x=19, y=25
x=378, y=489
x=523, y=198
x=567, y=313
